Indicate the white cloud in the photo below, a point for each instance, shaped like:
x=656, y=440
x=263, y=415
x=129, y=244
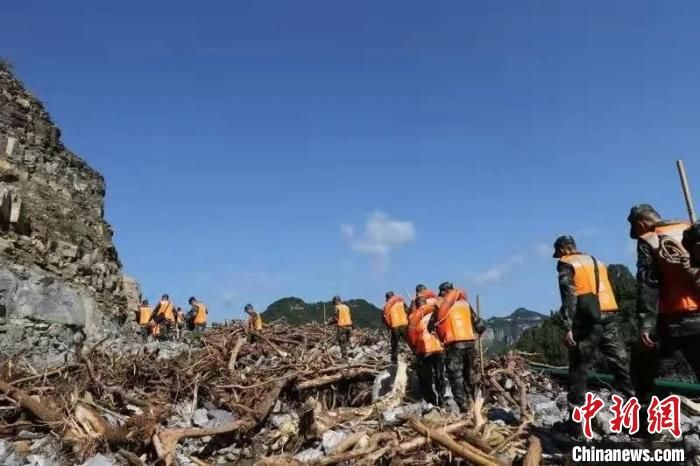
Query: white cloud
x=544, y=250
x=380, y=236
x=497, y=272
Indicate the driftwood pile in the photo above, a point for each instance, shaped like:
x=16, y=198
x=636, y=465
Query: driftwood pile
x=283, y=391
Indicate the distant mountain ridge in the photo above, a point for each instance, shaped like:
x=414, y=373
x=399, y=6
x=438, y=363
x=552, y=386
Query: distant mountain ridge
x=503, y=332
x=297, y=312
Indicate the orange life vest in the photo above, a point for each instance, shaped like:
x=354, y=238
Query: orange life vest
x=166, y=310
x=585, y=282
x=418, y=337
x=430, y=298
x=145, y=313
x=255, y=322
x=200, y=316
x=454, y=319
x=395, y=312
x=676, y=294
x=344, y=319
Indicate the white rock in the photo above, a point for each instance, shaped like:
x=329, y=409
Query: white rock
x=280, y=420
x=39, y=460
x=200, y=417
x=309, y=456
x=100, y=460
x=330, y=439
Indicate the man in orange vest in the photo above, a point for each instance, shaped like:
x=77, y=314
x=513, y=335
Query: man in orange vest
x=254, y=321
x=423, y=291
x=669, y=300
x=164, y=316
x=197, y=317
x=589, y=312
x=457, y=327
x=343, y=321
x=143, y=317
x=430, y=355
x=395, y=319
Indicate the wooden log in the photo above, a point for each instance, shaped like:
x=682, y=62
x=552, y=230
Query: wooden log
x=446, y=441
x=234, y=353
x=166, y=440
x=352, y=374
x=417, y=442
x=533, y=457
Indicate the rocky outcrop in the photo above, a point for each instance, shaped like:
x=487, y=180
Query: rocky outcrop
x=502, y=332
x=57, y=260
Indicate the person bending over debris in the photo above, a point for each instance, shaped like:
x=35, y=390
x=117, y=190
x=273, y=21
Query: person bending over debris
x=422, y=291
x=254, y=321
x=430, y=355
x=589, y=313
x=394, y=318
x=343, y=321
x=197, y=317
x=456, y=325
x=143, y=317
x=669, y=299
x=164, y=317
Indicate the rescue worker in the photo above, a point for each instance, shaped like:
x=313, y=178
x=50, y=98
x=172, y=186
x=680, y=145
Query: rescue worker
x=143, y=317
x=343, y=321
x=197, y=317
x=430, y=355
x=457, y=327
x=589, y=313
x=179, y=321
x=395, y=319
x=164, y=317
x=254, y=321
x=668, y=298
x=421, y=290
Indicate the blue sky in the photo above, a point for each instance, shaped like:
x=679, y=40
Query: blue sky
x=260, y=149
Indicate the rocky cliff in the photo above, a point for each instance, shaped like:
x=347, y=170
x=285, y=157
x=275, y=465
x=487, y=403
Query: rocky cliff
x=58, y=264
x=502, y=332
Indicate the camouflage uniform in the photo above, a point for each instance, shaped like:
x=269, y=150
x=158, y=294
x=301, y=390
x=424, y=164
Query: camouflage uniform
x=590, y=335
x=431, y=372
x=397, y=334
x=344, y=339
x=673, y=333
x=459, y=358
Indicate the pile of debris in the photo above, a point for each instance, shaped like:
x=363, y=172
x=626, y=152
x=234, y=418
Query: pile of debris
x=281, y=396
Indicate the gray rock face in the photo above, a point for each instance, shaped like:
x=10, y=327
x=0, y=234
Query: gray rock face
x=505, y=331
x=33, y=293
x=57, y=260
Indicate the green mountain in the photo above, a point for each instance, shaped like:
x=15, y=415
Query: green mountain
x=296, y=312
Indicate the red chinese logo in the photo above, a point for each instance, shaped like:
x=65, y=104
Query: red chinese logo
x=584, y=414
x=662, y=414
x=625, y=415
x=665, y=415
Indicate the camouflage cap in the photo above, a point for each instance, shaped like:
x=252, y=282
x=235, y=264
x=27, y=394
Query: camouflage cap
x=565, y=240
x=638, y=211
